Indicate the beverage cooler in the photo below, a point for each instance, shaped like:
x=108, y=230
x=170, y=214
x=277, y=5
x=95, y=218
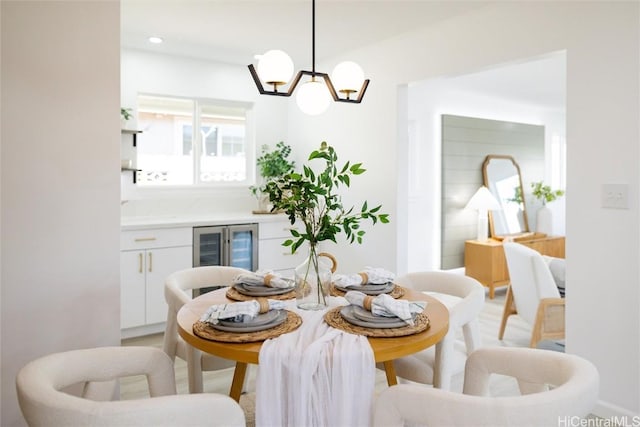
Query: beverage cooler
x=231, y=245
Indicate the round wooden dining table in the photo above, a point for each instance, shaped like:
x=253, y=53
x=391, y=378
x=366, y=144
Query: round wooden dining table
x=385, y=349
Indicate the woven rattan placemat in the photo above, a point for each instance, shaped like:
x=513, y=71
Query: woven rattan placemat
x=232, y=293
x=206, y=331
x=397, y=292
x=335, y=319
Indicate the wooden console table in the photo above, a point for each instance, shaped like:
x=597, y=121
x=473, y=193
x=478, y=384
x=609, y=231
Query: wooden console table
x=485, y=261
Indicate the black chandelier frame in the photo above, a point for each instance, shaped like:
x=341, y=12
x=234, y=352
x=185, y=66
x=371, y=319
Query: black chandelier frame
x=313, y=73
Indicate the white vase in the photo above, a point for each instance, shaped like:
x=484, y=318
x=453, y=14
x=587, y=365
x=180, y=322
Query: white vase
x=264, y=204
x=544, y=221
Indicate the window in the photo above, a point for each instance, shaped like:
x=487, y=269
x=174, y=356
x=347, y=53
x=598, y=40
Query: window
x=170, y=153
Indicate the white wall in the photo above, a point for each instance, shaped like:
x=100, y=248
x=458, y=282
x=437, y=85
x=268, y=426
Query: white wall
x=149, y=73
x=60, y=188
x=602, y=44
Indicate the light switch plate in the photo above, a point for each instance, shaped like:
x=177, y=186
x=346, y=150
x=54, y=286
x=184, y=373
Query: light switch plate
x=615, y=196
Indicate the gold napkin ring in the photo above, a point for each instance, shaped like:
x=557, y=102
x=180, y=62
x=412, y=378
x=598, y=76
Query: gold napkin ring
x=267, y=279
x=365, y=278
x=264, y=305
x=367, y=302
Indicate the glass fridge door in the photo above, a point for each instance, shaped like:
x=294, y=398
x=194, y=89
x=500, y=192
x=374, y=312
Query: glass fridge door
x=243, y=246
x=208, y=246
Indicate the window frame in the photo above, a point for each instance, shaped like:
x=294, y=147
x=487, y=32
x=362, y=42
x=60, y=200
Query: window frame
x=198, y=186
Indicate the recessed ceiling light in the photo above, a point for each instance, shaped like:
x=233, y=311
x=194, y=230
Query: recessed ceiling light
x=155, y=40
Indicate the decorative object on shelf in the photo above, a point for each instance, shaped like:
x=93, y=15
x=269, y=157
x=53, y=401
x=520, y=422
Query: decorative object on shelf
x=311, y=198
x=544, y=216
x=272, y=165
x=275, y=68
x=483, y=201
x=126, y=114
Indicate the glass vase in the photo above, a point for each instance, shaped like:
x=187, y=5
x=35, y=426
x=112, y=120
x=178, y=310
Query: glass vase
x=313, y=280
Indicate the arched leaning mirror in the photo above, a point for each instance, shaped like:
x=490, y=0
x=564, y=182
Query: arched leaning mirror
x=502, y=177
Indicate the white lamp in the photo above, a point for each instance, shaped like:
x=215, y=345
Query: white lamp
x=313, y=98
x=276, y=68
x=483, y=201
x=347, y=78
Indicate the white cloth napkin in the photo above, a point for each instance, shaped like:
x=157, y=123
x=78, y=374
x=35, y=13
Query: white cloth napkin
x=264, y=278
x=238, y=311
x=387, y=306
x=370, y=276
x=315, y=376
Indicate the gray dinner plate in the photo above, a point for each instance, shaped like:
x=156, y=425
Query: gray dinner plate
x=367, y=316
x=369, y=289
x=347, y=313
x=260, y=319
x=244, y=327
x=259, y=291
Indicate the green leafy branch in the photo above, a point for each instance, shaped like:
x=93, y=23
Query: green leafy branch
x=126, y=113
x=545, y=193
x=311, y=197
x=273, y=164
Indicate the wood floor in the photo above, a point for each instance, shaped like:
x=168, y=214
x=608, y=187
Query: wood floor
x=517, y=335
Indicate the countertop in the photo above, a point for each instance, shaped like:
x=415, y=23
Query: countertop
x=171, y=221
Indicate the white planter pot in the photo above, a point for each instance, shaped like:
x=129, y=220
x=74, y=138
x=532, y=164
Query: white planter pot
x=544, y=221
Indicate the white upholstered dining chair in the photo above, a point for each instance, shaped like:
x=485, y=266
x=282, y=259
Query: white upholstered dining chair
x=554, y=387
x=42, y=387
x=464, y=298
x=178, y=291
x=533, y=295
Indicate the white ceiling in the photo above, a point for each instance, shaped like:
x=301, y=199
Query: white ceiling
x=233, y=31
x=536, y=81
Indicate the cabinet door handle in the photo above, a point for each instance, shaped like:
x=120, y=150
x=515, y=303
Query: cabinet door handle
x=150, y=261
x=145, y=239
x=140, y=263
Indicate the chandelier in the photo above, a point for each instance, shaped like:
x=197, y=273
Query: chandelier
x=275, y=68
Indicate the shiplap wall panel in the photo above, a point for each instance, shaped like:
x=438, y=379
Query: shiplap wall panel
x=466, y=141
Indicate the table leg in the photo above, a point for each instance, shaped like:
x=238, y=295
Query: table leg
x=238, y=381
x=392, y=379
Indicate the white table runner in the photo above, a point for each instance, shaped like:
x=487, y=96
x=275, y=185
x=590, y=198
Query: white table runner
x=315, y=376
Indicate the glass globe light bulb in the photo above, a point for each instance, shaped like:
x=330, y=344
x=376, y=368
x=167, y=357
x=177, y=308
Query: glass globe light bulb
x=347, y=77
x=313, y=97
x=275, y=67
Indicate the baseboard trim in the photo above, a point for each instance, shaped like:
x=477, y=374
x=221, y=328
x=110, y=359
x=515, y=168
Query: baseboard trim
x=142, y=331
x=608, y=410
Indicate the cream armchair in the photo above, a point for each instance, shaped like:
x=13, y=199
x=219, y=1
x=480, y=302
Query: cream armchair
x=554, y=387
x=464, y=297
x=177, y=292
x=44, y=401
x=533, y=294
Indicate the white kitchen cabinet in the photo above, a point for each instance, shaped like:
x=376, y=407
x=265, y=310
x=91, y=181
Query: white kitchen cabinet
x=147, y=257
x=271, y=254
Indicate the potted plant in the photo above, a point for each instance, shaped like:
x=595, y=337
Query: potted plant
x=126, y=114
x=311, y=198
x=271, y=165
x=544, y=216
